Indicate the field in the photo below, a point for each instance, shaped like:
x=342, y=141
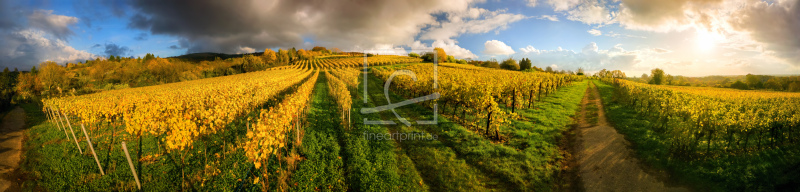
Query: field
x=312, y=126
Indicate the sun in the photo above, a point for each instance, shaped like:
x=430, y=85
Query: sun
x=706, y=40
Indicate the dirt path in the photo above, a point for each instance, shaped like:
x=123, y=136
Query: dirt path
x=10, y=148
x=606, y=163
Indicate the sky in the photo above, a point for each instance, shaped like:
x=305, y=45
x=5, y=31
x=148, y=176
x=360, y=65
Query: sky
x=683, y=37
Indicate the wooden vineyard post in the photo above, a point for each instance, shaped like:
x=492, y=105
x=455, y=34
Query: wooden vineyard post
x=73, y=132
x=130, y=163
x=59, y=124
x=92, y=148
x=488, y=122
x=514, y=101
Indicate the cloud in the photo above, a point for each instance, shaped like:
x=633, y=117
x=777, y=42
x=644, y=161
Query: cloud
x=450, y=47
x=30, y=37
x=56, y=25
x=29, y=47
x=532, y=3
x=615, y=34
x=595, y=32
x=472, y=21
x=776, y=25
x=660, y=50
x=96, y=46
x=590, y=58
x=270, y=24
x=529, y=49
x=585, y=11
x=116, y=50
x=548, y=17
x=141, y=37
x=495, y=47
x=174, y=47
x=664, y=15
x=245, y=50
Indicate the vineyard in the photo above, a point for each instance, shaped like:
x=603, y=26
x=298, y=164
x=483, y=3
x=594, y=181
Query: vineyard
x=710, y=134
x=704, y=122
x=309, y=126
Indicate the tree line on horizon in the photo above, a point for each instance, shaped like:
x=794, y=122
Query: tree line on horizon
x=742, y=82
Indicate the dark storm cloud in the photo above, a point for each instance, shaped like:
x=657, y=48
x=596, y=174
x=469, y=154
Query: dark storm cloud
x=96, y=46
x=227, y=26
x=141, y=37
x=116, y=50
x=98, y=10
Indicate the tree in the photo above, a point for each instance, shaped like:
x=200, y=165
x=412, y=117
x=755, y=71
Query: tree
x=794, y=87
x=739, y=85
x=415, y=55
x=318, y=49
x=441, y=56
x=773, y=84
x=461, y=61
x=270, y=57
x=754, y=81
x=669, y=80
x=53, y=77
x=524, y=64
x=580, y=71
x=491, y=64
x=451, y=59
x=253, y=63
x=656, y=76
x=338, y=51
x=28, y=85
x=549, y=69
x=510, y=64
x=303, y=54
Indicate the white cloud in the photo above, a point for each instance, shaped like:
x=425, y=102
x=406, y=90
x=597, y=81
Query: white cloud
x=35, y=38
x=472, y=21
x=590, y=12
x=595, y=32
x=529, y=49
x=586, y=11
x=450, y=47
x=27, y=48
x=245, y=49
x=548, y=17
x=563, y=5
x=57, y=25
x=495, y=47
x=532, y=3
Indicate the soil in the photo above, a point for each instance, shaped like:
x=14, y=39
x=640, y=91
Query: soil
x=11, y=148
x=604, y=158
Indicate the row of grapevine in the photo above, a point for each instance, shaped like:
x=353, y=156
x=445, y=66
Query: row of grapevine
x=349, y=77
x=269, y=133
x=477, y=92
x=180, y=111
x=339, y=90
x=349, y=62
x=709, y=121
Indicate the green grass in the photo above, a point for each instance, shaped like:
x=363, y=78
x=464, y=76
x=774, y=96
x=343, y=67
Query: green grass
x=767, y=170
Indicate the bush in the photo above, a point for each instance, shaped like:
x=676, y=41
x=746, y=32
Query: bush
x=414, y=55
x=510, y=64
